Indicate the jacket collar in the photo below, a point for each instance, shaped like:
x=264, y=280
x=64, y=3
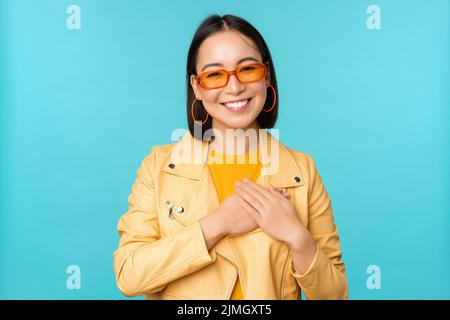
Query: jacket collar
x=188, y=159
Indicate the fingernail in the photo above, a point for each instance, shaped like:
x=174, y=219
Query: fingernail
x=245, y=180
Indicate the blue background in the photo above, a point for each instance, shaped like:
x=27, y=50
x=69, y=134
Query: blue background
x=80, y=109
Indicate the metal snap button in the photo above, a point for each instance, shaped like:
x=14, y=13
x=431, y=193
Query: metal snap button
x=297, y=179
x=171, y=165
x=180, y=209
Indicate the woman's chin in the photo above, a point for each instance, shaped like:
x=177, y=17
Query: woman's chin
x=236, y=120
x=239, y=123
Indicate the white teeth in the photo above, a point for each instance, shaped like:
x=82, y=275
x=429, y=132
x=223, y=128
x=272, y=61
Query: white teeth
x=236, y=104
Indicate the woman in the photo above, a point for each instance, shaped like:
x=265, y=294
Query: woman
x=223, y=222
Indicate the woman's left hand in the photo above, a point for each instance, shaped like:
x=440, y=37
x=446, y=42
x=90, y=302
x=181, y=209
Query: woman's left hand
x=275, y=214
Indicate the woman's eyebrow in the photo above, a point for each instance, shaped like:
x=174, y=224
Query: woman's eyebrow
x=216, y=64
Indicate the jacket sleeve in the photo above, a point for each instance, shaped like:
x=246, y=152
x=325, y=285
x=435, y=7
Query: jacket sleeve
x=144, y=262
x=325, y=277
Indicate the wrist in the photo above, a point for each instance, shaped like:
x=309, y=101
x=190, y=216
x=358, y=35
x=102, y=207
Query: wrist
x=220, y=223
x=301, y=242
x=212, y=230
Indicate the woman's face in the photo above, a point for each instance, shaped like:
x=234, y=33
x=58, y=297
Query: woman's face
x=228, y=50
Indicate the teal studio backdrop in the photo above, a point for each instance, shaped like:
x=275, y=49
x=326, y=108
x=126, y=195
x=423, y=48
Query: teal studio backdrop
x=81, y=108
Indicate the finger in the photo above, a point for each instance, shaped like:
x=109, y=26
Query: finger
x=286, y=194
x=258, y=188
x=249, y=210
x=250, y=198
x=283, y=192
x=279, y=190
x=275, y=192
x=256, y=193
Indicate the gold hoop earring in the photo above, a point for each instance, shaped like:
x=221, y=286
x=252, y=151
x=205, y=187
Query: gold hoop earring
x=192, y=112
x=274, y=99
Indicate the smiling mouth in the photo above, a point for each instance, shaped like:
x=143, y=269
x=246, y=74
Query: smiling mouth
x=237, y=105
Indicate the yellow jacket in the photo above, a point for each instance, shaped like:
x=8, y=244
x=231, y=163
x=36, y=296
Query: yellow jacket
x=162, y=252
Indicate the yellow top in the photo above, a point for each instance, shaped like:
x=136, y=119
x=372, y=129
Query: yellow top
x=233, y=168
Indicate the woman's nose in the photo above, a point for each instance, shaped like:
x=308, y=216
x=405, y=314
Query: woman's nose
x=234, y=86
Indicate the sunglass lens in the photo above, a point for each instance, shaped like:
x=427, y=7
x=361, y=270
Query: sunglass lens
x=214, y=79
x=251, y=73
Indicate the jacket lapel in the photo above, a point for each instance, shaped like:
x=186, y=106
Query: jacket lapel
x=189, y=157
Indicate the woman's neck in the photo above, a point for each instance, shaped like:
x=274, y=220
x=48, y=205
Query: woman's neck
x=235, y=141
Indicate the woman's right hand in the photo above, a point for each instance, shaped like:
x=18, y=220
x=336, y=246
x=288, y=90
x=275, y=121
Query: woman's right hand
x=229, y=219
x=235, y=219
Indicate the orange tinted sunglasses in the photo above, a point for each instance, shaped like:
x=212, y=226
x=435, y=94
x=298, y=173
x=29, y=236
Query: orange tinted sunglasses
x=219, y=78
